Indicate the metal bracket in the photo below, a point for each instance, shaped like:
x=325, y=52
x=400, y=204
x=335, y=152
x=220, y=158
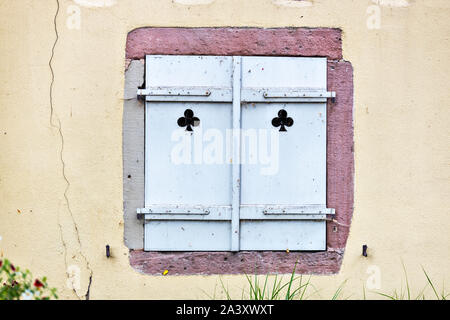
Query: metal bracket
x=298, y=94
x=186, y=94
x=174, y=210
x=161, y=212
x=224, y=213
x=286, y=95
x=283, y=210
x=141, y=216
x=174, y=91
x=189, y=94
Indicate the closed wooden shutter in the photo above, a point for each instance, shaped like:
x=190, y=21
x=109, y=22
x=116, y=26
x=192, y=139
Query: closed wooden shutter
x=235, y=153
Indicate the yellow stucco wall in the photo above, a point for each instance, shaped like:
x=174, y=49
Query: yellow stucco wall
x=401, y=119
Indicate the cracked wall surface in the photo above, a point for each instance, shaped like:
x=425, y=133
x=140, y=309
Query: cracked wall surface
x=401, y=151
x=75, y=254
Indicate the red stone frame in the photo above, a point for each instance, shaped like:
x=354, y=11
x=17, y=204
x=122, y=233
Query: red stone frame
x=301, y=42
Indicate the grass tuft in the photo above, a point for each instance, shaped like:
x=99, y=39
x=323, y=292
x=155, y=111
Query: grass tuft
x=296, y=288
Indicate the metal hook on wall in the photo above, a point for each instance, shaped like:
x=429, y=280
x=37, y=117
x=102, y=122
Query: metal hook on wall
x=364, y=250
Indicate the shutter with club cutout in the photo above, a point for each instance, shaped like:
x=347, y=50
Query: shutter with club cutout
x=235, y=153
x=283, y=200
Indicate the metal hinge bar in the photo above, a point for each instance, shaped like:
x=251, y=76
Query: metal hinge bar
x=174, y=91
x=226, y=94
x=246, y=212
x=298, y=94
x=159, y=212
x=257, y=210
x=285, y=95
x=174, y=209
x=186, y=94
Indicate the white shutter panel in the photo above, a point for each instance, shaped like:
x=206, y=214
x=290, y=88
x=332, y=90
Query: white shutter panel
x=284, y=200
x=187, y=202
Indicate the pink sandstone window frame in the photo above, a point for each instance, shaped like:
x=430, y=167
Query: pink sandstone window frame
x=300, y=42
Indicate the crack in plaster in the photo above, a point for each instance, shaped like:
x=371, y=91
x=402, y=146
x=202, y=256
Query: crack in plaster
x=66, y=198
x=89, y=287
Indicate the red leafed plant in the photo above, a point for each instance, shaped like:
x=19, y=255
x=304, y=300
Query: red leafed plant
x=17, y=284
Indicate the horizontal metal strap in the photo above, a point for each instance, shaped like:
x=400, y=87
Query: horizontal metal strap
x=175, y=91
x=298, y=94
x=284, y=212
x=186, y=94
x=209, y=94
x=170, y=212
x=306, y=209
x=285, y=95
x=247, y=212
x=175, y=209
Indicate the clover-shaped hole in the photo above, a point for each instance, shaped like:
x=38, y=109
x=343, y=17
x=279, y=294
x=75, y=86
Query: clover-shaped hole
x=188, y=120
x=282, y=121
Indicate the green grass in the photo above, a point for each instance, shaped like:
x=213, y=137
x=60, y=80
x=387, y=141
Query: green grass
x=268, y=287
x=405, y=292
x=338, y=292
x=263, y=288
x=443, y=295
x=277, y=289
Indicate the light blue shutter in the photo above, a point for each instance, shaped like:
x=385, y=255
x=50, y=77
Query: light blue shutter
x=187, y=204
x=283, y=202
x=235, y=204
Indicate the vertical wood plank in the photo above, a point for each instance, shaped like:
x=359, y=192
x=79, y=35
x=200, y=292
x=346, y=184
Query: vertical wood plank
x=236, y=147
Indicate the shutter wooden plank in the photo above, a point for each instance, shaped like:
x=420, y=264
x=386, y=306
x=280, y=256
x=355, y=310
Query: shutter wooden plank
x=186, y=181
x=236, y=170
x=296, y=175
